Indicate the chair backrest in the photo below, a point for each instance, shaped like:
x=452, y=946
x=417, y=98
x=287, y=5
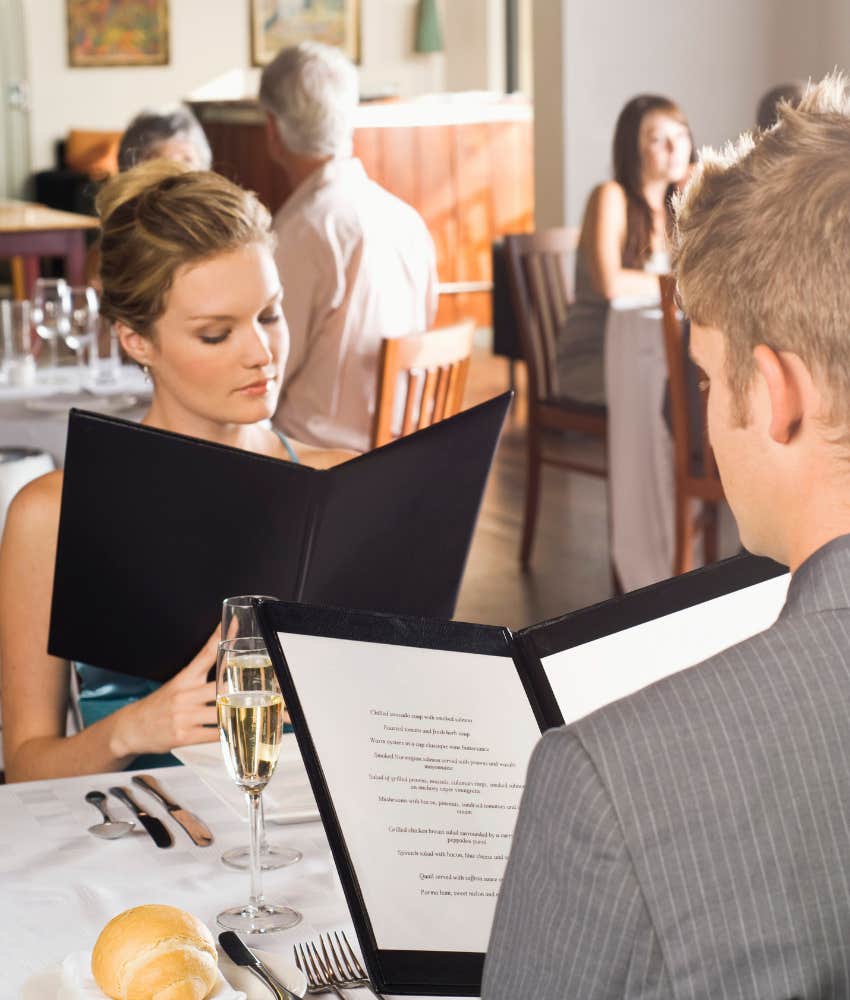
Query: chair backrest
x=540, y=266
x=690, y=435
x=423, y=373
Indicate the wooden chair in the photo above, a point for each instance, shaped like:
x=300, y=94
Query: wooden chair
x=539, y=266
x=431, y=368
x=697, y=482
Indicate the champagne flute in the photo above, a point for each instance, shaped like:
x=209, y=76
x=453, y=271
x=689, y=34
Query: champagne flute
x=51, y=315
x=250, y=723
x=238, y=620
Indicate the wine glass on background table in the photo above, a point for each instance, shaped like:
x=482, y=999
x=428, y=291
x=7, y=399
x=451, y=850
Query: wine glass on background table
x=250, y=724
x=238, y=620
x=83, y=328
x=51, y=316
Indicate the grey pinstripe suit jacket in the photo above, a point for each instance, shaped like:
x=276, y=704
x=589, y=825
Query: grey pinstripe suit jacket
x=693, y=840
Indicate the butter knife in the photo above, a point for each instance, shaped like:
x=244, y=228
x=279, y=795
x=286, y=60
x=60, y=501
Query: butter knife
x=240, y=954
x=155, y=827
x=197, y=830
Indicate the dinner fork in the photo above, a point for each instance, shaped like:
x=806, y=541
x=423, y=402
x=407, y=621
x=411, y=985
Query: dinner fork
x=338, y=964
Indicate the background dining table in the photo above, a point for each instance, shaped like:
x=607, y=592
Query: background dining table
x=640, y=448
x=29, y=231
x=60, y=884
x=36, y=416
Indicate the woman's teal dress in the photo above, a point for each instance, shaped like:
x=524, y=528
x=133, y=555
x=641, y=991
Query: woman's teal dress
x=103, y=692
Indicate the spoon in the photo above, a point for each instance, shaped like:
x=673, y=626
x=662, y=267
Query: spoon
x=109, y=829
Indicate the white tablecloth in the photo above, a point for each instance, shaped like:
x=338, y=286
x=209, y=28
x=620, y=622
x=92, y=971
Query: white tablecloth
x=24, y=422
x=640, y=450
x=59, y=884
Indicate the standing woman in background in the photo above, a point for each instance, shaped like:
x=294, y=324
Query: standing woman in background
x=623, y=243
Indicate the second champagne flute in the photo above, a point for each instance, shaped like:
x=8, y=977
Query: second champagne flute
x=250, y=723
x=238, y=620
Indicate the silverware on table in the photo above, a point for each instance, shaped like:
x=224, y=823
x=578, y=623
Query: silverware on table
x=109, y=829
x=197, y=830
x=336, y=968
x=237, y=951
x=155, y=827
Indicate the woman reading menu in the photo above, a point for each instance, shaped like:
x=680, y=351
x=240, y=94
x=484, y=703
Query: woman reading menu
x=189, y=281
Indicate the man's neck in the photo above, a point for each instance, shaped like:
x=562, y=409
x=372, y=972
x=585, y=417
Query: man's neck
x=817, y=516
x=299, y=168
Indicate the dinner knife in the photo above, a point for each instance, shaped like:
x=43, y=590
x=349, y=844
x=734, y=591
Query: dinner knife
x=240, y=954
x=155, y=827
x=197, y=830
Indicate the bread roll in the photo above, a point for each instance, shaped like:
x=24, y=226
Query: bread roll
x=155, y=953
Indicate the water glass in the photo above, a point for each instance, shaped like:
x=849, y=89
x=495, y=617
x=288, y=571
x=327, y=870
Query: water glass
x=250, y=724
x=51, y=316
x=83, y=327
x=104, y=355
x=17, y=361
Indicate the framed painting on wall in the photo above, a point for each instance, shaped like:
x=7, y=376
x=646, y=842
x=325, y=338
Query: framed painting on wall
x=278, y=23
x=125, y=33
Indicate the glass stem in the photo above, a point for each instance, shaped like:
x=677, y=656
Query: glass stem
x=54, y=353
x=255, y=804
x=264, y=844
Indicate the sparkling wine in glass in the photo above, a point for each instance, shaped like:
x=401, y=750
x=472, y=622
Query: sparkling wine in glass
x=239, y=620
x=51, y=316
x=250, y=724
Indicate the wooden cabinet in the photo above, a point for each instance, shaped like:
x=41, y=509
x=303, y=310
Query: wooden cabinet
x=465, y=164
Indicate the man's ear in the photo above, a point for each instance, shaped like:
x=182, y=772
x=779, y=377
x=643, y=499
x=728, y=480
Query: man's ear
x=135, y=346
x=273, y=140
x=787, y=382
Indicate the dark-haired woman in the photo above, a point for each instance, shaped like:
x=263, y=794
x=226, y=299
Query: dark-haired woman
x=623, y=243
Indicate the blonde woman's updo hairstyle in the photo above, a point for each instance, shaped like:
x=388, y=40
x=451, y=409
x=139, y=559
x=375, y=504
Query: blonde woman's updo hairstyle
x=159, y=217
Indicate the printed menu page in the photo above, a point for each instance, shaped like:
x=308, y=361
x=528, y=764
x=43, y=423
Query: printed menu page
x=596, y=673
x=424, y=753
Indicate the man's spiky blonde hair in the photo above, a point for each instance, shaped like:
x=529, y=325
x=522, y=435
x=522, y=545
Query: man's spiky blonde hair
x=762, y=244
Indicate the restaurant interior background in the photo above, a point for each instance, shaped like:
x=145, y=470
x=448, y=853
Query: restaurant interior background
x=578, y=61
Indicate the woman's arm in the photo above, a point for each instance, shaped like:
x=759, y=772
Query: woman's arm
x=603, y=238
x=34, y=686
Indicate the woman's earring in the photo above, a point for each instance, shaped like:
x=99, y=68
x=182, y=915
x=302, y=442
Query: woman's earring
x=147, y=373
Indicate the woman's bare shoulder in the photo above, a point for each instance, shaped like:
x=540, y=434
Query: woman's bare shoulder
x=36, y=505
x=608, y=195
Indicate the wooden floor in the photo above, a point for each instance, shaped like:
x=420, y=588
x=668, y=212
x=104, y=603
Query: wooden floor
x=570, y=565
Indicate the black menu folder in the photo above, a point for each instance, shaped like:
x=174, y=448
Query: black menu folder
x=157, y=528
x=416, y=734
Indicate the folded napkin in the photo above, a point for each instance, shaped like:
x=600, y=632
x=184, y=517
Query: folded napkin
x=77, y=982
x=287, y=798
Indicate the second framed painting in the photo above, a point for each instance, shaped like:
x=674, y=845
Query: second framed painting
x=278, y=23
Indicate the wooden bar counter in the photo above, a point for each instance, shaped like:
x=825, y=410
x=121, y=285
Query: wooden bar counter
x=464, y=161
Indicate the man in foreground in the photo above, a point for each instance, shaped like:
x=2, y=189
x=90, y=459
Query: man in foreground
x=692, y=840
x=357, y=264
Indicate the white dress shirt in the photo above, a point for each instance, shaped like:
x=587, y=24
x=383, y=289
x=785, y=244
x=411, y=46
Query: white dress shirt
x=357, y=264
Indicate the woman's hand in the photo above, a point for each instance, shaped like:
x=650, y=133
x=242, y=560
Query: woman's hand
x=179, y=713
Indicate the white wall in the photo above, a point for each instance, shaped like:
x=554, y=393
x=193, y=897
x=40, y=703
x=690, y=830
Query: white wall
x=208, y=38
x=715, y=59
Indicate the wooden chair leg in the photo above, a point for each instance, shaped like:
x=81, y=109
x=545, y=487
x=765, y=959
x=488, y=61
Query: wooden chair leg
x=709, y=533
x=532, y=497
x=19, y=284
x=683, y=530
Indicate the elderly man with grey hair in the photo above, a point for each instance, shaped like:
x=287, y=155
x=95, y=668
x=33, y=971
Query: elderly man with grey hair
x=357, y=263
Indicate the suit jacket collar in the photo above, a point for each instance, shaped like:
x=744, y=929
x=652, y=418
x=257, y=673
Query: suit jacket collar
x=822, y=582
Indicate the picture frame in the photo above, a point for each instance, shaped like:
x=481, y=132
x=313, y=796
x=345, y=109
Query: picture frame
x=276, y=24
x=130, y=33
